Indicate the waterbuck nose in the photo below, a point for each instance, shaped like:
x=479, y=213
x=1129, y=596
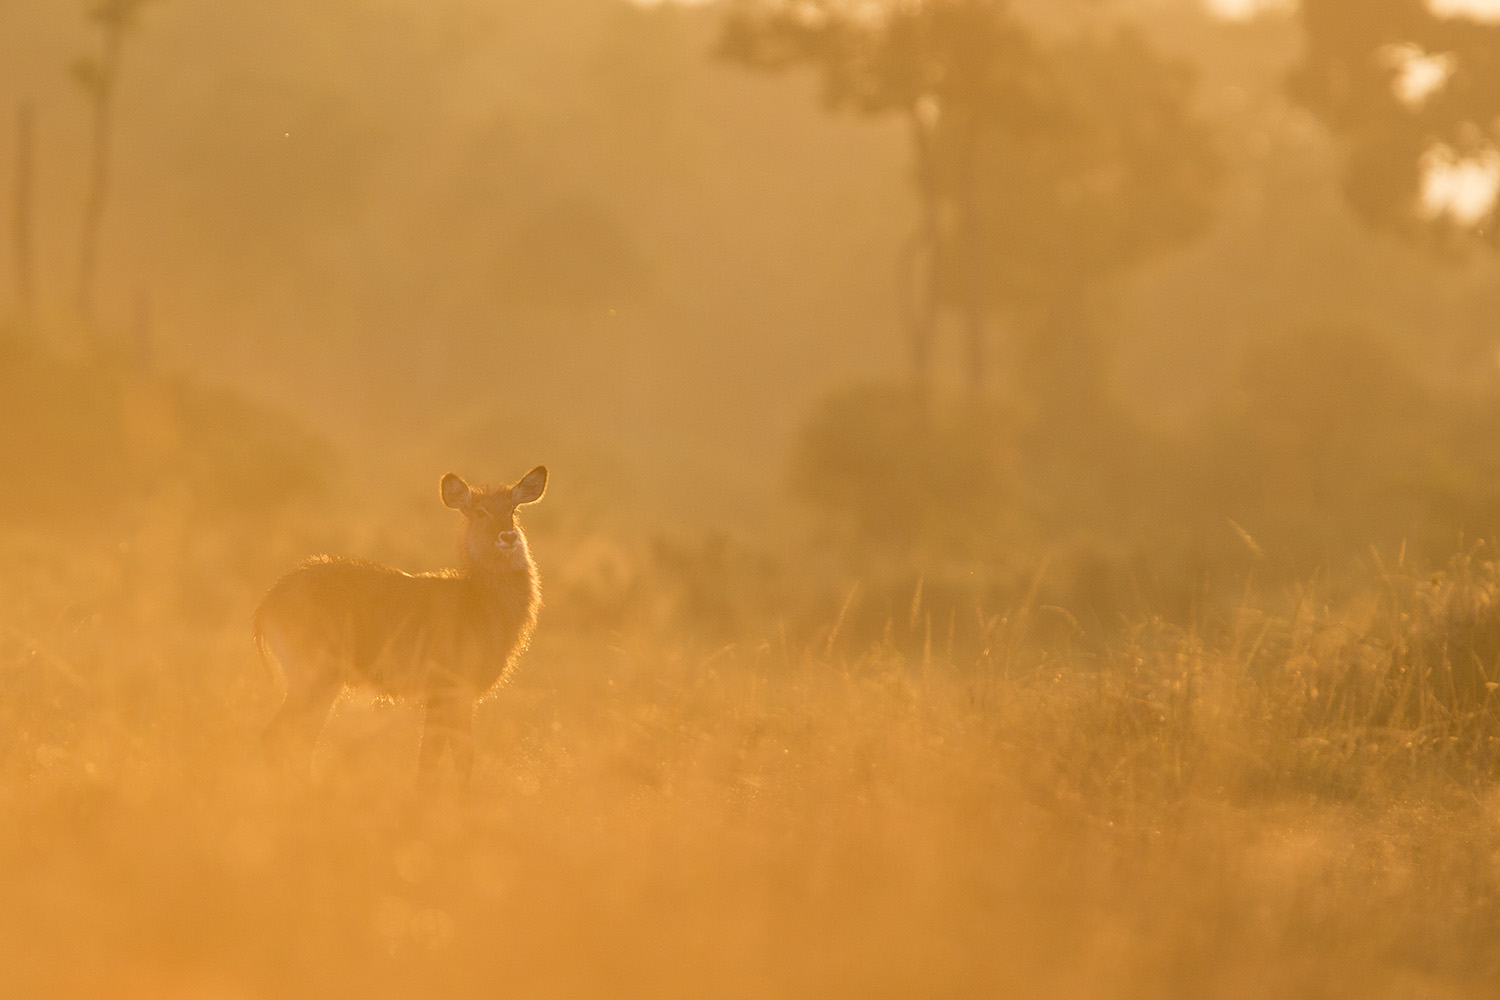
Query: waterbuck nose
x=508, y=537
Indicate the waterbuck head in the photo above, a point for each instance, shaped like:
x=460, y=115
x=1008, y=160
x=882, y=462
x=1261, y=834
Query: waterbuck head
x=491, y=536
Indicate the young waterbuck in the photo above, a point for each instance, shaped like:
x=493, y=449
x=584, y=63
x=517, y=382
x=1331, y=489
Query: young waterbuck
x=446, y=638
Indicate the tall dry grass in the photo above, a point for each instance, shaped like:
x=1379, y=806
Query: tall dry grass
x=1283, y=803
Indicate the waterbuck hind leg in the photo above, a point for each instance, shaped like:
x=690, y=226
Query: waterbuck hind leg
x=293, y=733
x=449, y=725
x=434, y=742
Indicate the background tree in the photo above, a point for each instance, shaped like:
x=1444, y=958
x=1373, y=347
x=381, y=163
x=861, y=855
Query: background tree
x=21, y=215
x=1415, y=97
x=955, y=72
x=98, y=76
x=1123, y=172
x=1042, y=166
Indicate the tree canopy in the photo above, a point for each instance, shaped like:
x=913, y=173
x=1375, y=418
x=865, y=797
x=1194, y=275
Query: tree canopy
x=1415, y=95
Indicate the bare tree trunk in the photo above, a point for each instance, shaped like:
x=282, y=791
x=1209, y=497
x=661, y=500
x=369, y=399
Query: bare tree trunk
x=919, y=266
x=913, y=267
x=93, y=213
x=25, y=193
x=973, y=257
x=142, y=354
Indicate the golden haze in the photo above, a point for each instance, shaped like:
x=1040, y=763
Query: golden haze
x=1023, y=481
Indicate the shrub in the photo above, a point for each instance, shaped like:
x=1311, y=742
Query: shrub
x=896, y=473
x=79, y=440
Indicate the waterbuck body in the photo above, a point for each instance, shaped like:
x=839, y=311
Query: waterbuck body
x=445, y=639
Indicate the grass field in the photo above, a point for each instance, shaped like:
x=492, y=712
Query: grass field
x=1293, y=802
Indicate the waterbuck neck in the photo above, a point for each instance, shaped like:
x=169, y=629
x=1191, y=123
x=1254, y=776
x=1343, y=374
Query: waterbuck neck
x=510, y=567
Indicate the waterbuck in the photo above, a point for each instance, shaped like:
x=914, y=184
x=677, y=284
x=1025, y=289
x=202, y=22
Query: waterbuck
x=445, y=638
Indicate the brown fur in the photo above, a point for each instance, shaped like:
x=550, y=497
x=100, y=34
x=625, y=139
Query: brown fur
x=447, y=638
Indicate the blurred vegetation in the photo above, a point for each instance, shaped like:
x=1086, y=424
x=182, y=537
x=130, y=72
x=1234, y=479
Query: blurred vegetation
x=1332, y=440
x=84, y=441
x=876, y=457
x=1328, y=443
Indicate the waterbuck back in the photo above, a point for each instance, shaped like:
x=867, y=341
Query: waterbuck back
x=445, y=638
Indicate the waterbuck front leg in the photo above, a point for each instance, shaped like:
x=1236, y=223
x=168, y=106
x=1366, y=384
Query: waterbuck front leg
x=449, y=726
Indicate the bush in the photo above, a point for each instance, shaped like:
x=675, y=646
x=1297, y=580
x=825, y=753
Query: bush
x=79, y=440
x=896, y=473
x=1331, y=441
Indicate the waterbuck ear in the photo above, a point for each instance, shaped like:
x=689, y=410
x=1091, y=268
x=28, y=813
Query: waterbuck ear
x=531, y=487
x=456, y=492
